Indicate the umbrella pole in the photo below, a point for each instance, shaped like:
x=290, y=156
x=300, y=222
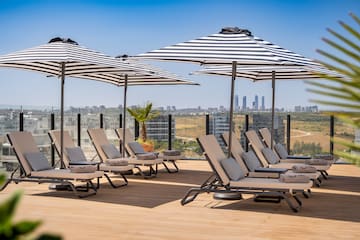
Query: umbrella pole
x=233, y=77
x=62, y=115
x=124, y=116
x=272, y=109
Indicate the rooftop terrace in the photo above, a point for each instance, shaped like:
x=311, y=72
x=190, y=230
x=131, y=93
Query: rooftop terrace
x=151, y=209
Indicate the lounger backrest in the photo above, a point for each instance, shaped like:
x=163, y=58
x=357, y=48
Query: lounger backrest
x=23, y=142
x=98, y=138
x=214, y=154
x=236, y=150
x=257, y=146
x=55, y=136
x=129, y=137
x=266, y=136
x=135, y=148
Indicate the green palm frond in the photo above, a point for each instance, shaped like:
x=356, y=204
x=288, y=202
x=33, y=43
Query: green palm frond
x=345, y=91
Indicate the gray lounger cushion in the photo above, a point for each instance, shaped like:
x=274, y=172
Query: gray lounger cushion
x=136, y=148
x=82, y=168
x=110, y=151
x=75, y=154
x=270, y=156
x=146, y=156
x=251, y=160
x=303, y=168
x=171, y=153
x=294, y=178
x=117, y=162
x=37, y=161
x=317, y=162
x=232, y=169
x=280, y=149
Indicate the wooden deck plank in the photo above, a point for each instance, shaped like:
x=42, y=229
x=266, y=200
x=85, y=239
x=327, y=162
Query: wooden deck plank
x=150, y=209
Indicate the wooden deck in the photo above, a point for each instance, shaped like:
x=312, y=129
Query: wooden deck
x=151, y=209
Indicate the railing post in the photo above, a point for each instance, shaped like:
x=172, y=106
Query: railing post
x=246, y=129
x=136, y=129
x=120, y=120
x=101, y=120
x=169, y=132
x=288, y=132
x=332, y=133
x=79, y=129
x=52, y=127
x=207, y=124
x=21, y=121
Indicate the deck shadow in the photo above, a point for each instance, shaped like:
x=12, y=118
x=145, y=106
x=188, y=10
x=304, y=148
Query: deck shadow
x=342, y=183
x=320, y=205
x=183, y=176
x=139, y=194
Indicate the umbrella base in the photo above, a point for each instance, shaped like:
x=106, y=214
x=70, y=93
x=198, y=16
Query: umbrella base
x=227, y=196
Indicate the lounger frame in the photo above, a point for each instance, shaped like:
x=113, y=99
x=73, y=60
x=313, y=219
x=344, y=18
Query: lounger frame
x=66, y=161
x=214, y=184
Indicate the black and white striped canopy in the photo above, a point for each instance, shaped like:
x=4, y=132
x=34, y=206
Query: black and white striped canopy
x=259, y=73
x=231, y=44
x=81, y=62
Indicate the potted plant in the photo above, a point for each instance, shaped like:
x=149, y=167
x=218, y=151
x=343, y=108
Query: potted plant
x=143, y=114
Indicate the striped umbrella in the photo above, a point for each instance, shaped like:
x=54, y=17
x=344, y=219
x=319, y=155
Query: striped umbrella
x=231, y=46
x=64, y=57
x=260, y=73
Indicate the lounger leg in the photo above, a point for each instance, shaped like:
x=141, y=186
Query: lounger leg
x=324, y=174
x=168, y=169
x=116, y=186
x=73, y=188
x=316, y=182
x=145, y=176
x=287, y=199
x=205, y=187
x=187, y=198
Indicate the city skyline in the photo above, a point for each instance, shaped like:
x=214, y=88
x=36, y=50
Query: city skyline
x=147, y=25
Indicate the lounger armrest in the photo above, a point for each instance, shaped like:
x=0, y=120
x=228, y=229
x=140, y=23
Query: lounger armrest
x=292, y=160
x=298, y=157
x=264, y=175
x=271, y=170
x=85, y=163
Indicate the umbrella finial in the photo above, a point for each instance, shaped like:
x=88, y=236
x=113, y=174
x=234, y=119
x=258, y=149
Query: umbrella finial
x=64, y=40
x=122, y=57
x=235, y=30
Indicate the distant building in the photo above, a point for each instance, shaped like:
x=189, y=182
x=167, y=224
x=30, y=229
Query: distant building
x=264, y=120
x=256, y=103
x=244, y=107
x=306, y=109
x=158, y=128
x=218, y=124
x=236, y=107
x=262, y=103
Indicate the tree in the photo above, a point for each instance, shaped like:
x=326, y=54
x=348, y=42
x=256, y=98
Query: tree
x=11, y=230
x=143, y=114
x=345, y=91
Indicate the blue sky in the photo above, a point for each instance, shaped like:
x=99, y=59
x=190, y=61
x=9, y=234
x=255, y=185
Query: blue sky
x=133, y=27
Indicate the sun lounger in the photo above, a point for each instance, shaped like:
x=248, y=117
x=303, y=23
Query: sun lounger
x=108, y=152
x=229, y=178
x=74, y=155
x=167, y=155
x=260, y=150
x=253, y=167
x=35, y=167
x=282, y=152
